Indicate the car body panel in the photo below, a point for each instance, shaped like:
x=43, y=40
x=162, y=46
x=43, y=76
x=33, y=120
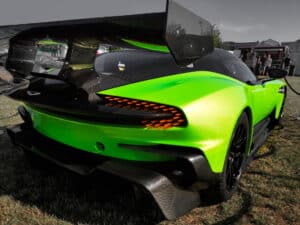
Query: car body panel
x=265, y=98
x=210, y=122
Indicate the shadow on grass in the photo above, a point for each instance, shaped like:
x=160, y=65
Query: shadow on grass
x=245, y=209
x=98, y=199
x=273, y=176
x=271, y=151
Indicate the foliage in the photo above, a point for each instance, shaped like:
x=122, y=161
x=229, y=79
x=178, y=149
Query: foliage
x=217, y=37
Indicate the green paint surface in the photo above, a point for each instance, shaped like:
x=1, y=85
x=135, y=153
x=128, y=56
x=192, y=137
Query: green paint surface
x=81, y=66
x=148, y=46
x=211, y=102
x=50, y=42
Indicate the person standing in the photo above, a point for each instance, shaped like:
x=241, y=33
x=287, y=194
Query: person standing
x=291, y=68
x=268, y=64
x=287, y=63
x=244, y=55
x=254, y=62
x=263, y=64
x=258, y=66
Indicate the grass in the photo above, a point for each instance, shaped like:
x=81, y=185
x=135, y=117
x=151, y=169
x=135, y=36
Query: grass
x=269, y=191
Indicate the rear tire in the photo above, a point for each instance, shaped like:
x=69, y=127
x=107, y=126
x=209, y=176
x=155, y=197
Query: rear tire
x=228, y=181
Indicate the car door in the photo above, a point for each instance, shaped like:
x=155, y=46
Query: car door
x=261, y=106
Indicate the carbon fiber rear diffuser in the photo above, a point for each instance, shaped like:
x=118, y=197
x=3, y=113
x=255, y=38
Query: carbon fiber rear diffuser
x=173, y=200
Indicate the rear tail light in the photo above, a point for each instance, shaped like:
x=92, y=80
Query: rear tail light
x=176, y=120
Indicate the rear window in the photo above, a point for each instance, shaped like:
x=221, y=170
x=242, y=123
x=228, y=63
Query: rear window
x=221, y=61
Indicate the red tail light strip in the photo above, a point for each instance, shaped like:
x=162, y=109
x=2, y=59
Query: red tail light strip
x=176, y=120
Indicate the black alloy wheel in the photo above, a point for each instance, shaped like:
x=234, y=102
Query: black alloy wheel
x=236, y=157
x=226, y=183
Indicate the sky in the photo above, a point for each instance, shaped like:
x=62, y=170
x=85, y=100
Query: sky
x=238, y=20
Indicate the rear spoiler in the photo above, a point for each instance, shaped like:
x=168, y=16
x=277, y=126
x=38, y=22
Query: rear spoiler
x=187, y=36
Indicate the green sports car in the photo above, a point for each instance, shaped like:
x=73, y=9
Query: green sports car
x=155, y=105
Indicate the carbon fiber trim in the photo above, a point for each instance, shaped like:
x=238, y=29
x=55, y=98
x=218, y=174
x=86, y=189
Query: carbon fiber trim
x=174, y=200
x=195, y=159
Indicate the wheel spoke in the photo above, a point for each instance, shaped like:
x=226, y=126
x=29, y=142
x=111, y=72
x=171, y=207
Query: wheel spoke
x=236, y=156
x=229, y=172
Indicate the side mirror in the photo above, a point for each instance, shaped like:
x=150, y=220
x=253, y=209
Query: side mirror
x=277, y=73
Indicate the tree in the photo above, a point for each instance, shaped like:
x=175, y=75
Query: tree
x=217, y=37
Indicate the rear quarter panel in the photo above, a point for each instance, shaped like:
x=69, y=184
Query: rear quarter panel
x=211, y=102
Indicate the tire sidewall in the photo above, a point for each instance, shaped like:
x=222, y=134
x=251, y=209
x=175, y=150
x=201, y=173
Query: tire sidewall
x=225, y=193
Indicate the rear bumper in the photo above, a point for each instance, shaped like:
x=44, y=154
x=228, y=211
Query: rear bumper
x=169, y=183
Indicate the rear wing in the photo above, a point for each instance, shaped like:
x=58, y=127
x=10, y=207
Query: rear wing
x=187, y=36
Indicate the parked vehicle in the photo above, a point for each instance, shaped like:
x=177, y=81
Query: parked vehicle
x=172, y=115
